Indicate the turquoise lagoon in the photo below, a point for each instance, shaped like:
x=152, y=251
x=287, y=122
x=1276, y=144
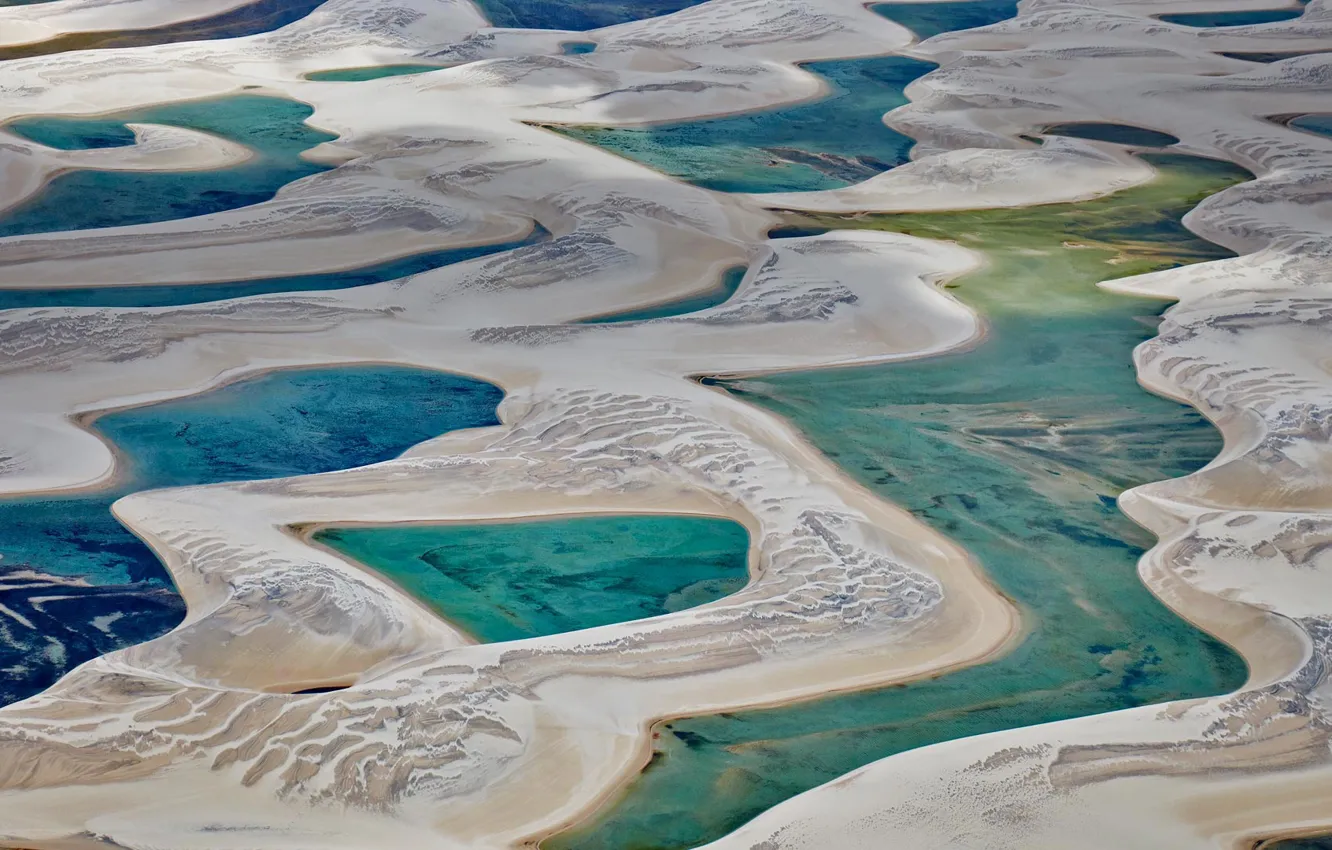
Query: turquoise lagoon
x=369, y=72
x=175, y=295
x=514, y=580
x=253, y=18
x=1314, y=123
x=1234, y=18
x=727, y=286
x=828, y=143
x=1016, y=449
x=824, y=144
x=90, y=586
x=575, y=14
x=273, y=127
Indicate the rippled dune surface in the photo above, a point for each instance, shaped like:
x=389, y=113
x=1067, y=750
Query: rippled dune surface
x=624, y=425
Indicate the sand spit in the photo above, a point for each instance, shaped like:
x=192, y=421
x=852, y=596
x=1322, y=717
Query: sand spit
x=195, y=741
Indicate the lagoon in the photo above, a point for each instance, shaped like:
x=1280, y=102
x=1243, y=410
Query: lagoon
x=175, y=295
x=1016, y=449
x=513, y=580
x=109, y=589
x=831, y=142
x=273, y=127
x=253, y=18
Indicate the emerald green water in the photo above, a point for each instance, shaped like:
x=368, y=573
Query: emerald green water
x=273, y=127
x=513, y=580
x=369, y=72
x=831, y=142
x=1016, y=449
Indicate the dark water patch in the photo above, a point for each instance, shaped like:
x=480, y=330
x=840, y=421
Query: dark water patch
x=88, y=586
x=72, y=134
x=1232, y=19
x=791, y=232
x=1268, y=58
x=729, y=284
x=1016, y=449
x=273, y=127
x=175, y=295
x=1121, y=134
x=824, y=144
x=578, y=48
x=250, y=19
x=931, y=19
x=369, y=72
x=578, y=15
x=514, y=580
x=1313, y=842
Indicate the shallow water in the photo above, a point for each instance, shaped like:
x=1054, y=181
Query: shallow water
x=514, y=580
x=1015, y=449
x=577, y=48
x=1320, y=124
x=575, y=14
x=727, y=286
x=1121, y=134
x=369, y=72
x=175, y=295
x=273, y=127
x=112, y=590
x=1232, y=19
x=251, y=19
x=824, y=144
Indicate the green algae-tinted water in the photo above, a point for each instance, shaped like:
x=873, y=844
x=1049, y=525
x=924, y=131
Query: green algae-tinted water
x=174, y=295
x=369, y=72
x=513, y=580
x=931, y=19
x=271, y=126
x=251, y=19
x=828, y=143
x=1232, y=19
x=95, y=587
x=729, y=284
x=1122, y=134
x=1017, y=450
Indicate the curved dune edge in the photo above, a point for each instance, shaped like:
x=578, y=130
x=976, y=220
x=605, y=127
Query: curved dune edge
x=175, y=743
